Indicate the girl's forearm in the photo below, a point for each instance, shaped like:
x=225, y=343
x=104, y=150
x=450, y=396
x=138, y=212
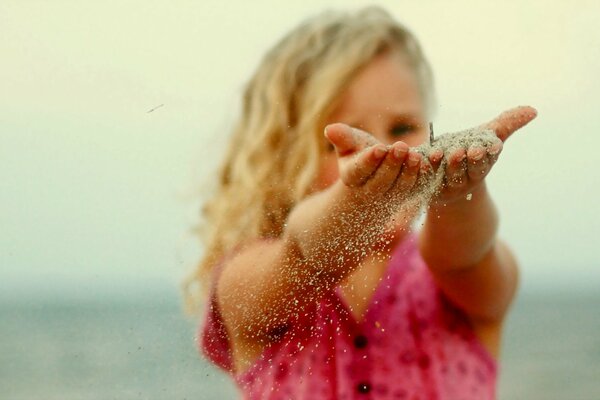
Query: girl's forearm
x=459, y=234
x=333, y=230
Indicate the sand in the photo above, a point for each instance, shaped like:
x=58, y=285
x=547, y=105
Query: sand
x=405, y=208
x=430, y=183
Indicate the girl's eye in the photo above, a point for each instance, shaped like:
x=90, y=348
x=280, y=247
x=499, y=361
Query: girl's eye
x=402, y=129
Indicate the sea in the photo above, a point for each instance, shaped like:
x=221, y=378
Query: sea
x=144, y=348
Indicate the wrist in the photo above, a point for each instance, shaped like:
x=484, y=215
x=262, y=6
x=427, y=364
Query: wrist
x=467, y=227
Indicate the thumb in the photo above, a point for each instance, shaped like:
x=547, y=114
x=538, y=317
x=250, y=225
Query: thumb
x=348, y=140
x=505, y=124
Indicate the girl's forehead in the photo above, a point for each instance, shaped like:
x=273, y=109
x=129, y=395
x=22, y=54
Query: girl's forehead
x=385, y=87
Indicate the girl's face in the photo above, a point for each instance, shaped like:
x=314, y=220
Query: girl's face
x=384, y=100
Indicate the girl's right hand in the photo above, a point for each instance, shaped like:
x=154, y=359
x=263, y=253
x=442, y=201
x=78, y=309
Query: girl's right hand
x=372, y=168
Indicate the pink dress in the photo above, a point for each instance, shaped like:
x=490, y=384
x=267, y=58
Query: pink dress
x=411, y=344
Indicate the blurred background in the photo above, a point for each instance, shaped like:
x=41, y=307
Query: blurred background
x=113, y=116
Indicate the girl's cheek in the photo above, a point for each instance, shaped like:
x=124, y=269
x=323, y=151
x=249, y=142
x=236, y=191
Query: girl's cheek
x=417, y=139
x=412, y=139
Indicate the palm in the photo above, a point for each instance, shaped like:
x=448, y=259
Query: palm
x=366, y=163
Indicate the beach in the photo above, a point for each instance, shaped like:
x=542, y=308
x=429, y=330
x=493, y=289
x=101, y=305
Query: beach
x=143, y=348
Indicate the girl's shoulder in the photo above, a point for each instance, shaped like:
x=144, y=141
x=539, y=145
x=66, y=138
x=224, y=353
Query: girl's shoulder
x=214, y=338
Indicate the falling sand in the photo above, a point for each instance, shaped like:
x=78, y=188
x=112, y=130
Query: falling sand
x=429, y=183
x=403, y=209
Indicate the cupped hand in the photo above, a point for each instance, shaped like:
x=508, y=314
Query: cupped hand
x=369, y=166
x=466, y=168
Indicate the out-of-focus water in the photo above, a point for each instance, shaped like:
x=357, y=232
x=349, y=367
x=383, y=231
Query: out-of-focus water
x=145, y=349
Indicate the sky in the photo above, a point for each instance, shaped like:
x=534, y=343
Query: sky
x=99, y=194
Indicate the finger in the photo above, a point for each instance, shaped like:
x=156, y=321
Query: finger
x=456, y=177
x=348, y=140
x=477, y=163
x=435, y=159
x=389, y=169
x=364, y=165
x=408, y=175
x=340, y=136
x=494, y=152
x=509, y=121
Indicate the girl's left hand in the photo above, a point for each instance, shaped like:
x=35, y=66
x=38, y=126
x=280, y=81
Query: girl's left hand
x=467, y=168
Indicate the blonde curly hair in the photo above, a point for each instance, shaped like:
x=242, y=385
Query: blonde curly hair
x=277, y=144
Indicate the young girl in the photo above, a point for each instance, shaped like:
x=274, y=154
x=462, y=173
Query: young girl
x=318, y=287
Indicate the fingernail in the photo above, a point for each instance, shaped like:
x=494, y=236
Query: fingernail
x=413, y=159
x=477, y=155
x=380, y=152
x=399, y=153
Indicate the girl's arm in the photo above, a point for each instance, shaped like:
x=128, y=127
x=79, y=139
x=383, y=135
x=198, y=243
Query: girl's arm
x=271, y=283
x=473, y=268
x=459, y=243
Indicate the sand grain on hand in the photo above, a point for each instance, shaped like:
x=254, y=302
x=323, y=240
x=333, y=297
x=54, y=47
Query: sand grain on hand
x=430, y=183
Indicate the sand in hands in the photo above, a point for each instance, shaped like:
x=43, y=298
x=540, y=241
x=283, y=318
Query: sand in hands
x=398, y=212
x=430, y=183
